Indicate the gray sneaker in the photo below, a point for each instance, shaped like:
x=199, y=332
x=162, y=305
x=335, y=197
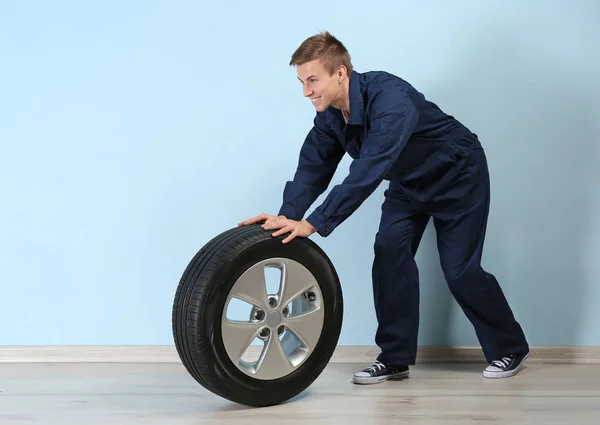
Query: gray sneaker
x=380, y=372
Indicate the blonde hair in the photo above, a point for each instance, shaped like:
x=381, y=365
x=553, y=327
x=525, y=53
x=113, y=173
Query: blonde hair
x=330, y=52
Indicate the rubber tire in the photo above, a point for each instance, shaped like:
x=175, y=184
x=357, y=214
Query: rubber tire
x=200, y=299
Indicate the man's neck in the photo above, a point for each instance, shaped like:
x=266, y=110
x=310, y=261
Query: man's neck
x=345, y=101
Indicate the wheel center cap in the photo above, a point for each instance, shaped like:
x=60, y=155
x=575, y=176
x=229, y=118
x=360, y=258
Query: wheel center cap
x=274, y=319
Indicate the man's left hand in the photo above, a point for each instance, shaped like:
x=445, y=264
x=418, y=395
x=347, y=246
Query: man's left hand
x=294, y=228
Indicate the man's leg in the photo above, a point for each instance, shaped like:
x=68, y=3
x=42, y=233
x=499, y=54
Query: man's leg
x=461, y=228
x=395, y=290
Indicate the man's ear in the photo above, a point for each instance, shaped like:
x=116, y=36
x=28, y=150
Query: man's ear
x=341, y=73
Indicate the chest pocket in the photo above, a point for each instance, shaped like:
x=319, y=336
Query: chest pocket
x=351, y=137
x=354, y=139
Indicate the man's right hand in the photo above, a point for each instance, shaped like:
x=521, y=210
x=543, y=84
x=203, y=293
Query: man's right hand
x=266, y=218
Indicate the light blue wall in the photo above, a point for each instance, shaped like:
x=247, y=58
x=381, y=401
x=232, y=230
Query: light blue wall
x=125, y=126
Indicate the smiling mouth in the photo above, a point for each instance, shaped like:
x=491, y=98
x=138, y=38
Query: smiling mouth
x=315, y=99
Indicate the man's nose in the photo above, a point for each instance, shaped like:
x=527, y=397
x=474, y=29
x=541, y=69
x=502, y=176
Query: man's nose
x=307, y=92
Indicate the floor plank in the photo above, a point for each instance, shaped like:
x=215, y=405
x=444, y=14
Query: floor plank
x=163, y=393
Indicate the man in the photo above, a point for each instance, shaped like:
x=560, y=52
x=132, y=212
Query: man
x=436, y=169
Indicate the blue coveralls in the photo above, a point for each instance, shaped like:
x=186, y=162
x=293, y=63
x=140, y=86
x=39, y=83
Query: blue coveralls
x=436, y=169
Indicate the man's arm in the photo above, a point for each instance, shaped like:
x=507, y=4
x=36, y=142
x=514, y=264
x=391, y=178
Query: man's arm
x=318, y=159
x=394, y=118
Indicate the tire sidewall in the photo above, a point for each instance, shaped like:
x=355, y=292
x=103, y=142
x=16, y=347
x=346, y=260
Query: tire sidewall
x=306, y=253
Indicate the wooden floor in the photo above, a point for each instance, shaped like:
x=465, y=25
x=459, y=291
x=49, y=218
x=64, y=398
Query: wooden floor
x=159, y=393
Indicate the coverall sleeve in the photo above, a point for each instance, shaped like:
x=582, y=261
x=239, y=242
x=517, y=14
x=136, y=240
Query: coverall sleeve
x=393, y=119
x=318, y=160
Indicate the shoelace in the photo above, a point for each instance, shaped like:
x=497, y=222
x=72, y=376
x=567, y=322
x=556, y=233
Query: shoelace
x=376, y=366
x=503, y=362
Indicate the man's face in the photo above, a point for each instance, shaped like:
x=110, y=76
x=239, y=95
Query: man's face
x=322, y=89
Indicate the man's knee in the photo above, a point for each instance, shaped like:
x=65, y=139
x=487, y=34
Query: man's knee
x=389, y=241
x=459, y=273
x=382, y=243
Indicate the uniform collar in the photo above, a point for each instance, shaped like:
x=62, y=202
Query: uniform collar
x=357, y=107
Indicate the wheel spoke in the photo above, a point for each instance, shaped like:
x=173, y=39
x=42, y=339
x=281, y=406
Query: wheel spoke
x=295, y=280
x=237, y=336
x=304, y=327
x=275, y=362
x=307, y=326
x=252, y=287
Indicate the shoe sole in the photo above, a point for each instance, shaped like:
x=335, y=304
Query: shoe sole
x=507, y=374
x=378, y=379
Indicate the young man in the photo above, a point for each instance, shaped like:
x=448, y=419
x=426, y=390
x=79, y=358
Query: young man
x=436, y=169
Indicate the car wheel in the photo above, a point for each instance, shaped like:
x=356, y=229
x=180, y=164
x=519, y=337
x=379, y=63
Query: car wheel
x=295, y=327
